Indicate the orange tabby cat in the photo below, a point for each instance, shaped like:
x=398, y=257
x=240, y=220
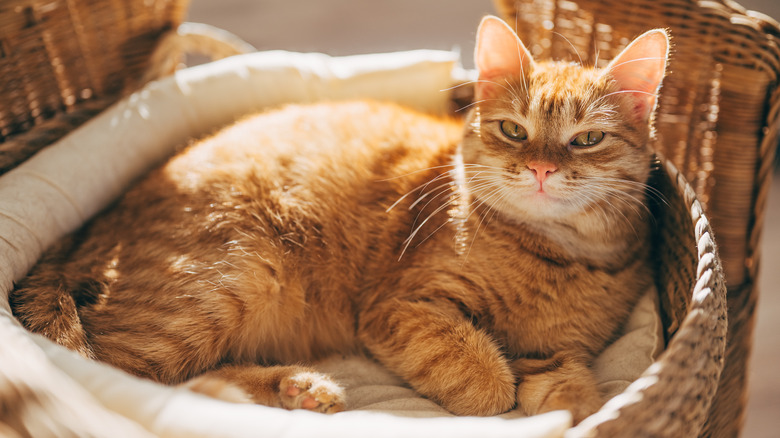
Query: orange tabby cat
x=485, y=266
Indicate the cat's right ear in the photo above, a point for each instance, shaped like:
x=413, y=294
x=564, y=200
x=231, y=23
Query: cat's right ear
x=639, y=69
x=499, y=53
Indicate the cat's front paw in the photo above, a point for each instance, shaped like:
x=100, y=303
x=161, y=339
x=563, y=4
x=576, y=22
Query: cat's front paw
x=311, y=391
x=483, y=394
x=555, y=384
x=580, y=401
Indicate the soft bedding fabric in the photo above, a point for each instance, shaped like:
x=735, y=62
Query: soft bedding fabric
x=57, y=190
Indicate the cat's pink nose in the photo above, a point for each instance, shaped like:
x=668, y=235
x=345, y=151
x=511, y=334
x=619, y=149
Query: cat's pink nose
x=542, y=170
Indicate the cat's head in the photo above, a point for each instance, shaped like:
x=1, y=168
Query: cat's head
x=550, y=140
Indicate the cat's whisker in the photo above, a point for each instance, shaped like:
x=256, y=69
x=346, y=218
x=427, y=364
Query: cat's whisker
x=634, y=206
x=631, y=92
x=480, y=171
x=610, y=192
x=446, y=222
x=449, y=176
x=420, y=187
x=604, y=115
x=476, y=173
x=423, y=186
x=524, y=82
x=648, y=189
x=606, y=216
x=417, y=229
x=501, y=202
x=596, y=203
x=650, y=58
x=425, y=169
x=395, y=204
x=473, y=177
x=445, y=188
x=628, y=221
x=521, y=50
x=484, y=201
x=484, y=198
x=479, y=184
x=462, y=84
x=476, y=102
x=484, y=174
x=576, y=52
x=600, y=99
x=494, y=83
x=642, y=189
x=426, y=194
x=516, y=95
x=472, y=165
x=598, y=200
x=441, y=189
x=483, y=166
x=472, y=82
x=449, y=219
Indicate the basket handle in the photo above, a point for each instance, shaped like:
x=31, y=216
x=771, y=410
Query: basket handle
x=193, y=39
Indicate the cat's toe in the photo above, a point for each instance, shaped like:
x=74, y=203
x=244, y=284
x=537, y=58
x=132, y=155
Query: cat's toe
x=311, y=391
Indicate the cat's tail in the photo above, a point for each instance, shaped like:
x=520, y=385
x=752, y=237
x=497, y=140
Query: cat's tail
x=44, y=304
x=51, y=313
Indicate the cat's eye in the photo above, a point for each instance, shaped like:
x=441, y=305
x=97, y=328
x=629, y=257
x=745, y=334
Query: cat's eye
x=513, y=130
x=590, y=138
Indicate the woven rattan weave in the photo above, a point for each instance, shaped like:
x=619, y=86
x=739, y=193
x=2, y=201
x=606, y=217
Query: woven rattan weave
x=62, y=61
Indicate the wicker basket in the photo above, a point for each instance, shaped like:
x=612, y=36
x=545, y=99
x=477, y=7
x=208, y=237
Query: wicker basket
x=717, y=122
x=61, y=62
x=55, y=54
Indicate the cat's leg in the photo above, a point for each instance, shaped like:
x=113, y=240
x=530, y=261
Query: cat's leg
x=563, y=382
x=289, y=387
x=435, y=348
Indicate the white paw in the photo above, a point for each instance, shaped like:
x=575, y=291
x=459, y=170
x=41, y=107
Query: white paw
x=312, y=391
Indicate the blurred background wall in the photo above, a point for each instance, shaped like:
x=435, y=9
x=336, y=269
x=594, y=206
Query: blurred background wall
x=346, y=27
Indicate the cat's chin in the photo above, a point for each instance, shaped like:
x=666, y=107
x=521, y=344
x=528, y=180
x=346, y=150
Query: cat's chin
x=541, y=206
x=537, y=212
x=537, y=206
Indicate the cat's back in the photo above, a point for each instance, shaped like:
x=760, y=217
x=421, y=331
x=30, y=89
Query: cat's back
x=296, y=171
x=322, y=175
x=362, y=140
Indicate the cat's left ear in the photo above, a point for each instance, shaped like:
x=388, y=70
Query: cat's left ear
x=640, y=68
